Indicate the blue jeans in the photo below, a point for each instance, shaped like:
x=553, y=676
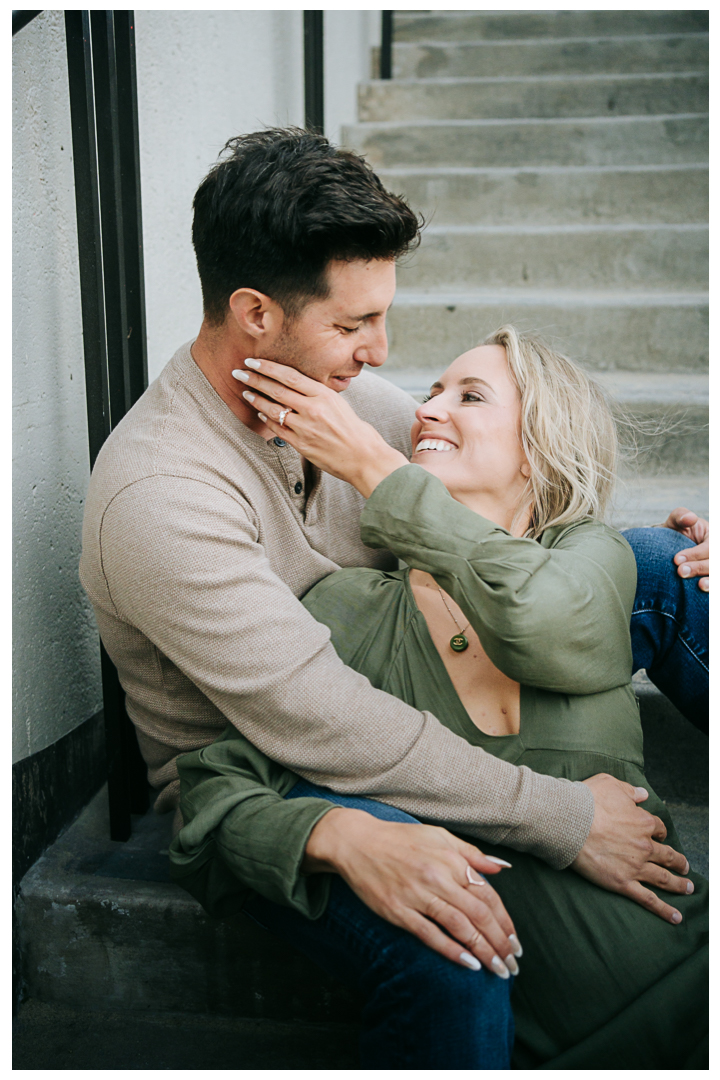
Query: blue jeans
x=421, y=1011
x=669, y=624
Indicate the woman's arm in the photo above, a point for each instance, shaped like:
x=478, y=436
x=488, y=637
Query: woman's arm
x=553, y=617
x=240, y=833
x=556, y=617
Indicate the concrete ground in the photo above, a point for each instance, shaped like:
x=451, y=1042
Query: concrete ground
x=56, y=1037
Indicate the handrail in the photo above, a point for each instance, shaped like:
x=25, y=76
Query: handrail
x=314, y=71
x=103, y=113
x=386, y=43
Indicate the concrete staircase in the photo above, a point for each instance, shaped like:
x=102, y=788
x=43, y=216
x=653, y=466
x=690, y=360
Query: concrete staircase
x=560, y=158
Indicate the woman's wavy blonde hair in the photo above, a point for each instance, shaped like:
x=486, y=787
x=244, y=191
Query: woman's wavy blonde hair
x=567, y=432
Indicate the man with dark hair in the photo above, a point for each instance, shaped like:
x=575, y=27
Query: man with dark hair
x=202, y=531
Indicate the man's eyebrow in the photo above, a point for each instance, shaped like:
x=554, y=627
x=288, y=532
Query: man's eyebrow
x=362, y=318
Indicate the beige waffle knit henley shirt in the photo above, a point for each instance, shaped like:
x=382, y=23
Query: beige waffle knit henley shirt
x=198, y=540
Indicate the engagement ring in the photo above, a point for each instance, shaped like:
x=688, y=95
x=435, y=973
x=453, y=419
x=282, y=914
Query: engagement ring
x=283, y=414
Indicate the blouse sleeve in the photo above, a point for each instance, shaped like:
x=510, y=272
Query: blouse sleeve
x=553, y=614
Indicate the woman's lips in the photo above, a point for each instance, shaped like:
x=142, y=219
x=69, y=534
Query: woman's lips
x=439, y=446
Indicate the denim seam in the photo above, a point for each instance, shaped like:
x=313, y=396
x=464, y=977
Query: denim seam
x=681, y=639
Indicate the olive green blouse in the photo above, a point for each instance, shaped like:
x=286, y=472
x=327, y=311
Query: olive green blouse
x=553, y=615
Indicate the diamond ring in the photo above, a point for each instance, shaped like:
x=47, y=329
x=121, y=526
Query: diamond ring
x=283, y=414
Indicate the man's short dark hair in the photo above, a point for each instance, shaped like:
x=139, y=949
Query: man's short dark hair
x=278, y=207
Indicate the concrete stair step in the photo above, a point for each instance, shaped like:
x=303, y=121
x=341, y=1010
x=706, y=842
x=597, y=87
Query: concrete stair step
x=546, y=56
x=501, y=25
x=543, y=96
x=629, y=331
x=52, y=1036
x=645, y=257
x=593, y=141
x=102, y=928
x=632, y=195
x=641, y=500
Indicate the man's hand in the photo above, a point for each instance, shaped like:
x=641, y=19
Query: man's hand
x=319, y=424
x=421, y=878
x=622, y=851
x=694, y=561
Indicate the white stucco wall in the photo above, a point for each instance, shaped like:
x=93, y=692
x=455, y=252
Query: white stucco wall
x=202, y=77
x=56, y=681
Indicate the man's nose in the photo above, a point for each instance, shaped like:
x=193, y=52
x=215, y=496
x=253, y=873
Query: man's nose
x=374, y=349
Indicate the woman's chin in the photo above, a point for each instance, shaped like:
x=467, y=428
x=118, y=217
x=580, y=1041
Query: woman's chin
x=433, y=462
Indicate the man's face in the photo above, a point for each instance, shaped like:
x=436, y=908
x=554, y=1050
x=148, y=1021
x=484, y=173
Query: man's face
x=331, y=339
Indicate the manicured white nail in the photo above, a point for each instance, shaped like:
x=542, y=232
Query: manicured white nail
x=516, y=946
x=499, y=968
x=252, y=363
x=263, y=417
x=248, y=396
x=471, y=879
x=690, y=888
x=676, y=917
x=471, y=961
x=512, y=964
x=498, y=862
x=241, y=375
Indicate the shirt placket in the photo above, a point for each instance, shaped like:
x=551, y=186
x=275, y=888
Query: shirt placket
x=291, y=467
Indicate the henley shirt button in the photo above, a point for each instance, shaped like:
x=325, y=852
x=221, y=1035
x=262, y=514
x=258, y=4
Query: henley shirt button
x=298, y=487
x=279, y=442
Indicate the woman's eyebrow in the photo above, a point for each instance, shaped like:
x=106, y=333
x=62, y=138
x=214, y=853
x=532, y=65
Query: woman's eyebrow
x=471, y=379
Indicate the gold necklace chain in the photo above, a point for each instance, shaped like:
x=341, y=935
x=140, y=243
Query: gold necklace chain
x=458, y=642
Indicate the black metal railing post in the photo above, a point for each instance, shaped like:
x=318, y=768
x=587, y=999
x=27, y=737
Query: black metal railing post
x=101, y=74
x=314, y=71
x=386, y=43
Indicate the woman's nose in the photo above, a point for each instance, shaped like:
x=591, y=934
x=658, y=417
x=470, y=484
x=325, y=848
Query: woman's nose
x=432, y=409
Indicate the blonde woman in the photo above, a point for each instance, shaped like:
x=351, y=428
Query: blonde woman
x=511, y=625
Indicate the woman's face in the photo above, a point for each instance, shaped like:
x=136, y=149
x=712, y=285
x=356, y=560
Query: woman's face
x=468, y=434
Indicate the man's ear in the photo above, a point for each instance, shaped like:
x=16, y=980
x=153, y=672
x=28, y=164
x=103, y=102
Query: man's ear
x=256, y=314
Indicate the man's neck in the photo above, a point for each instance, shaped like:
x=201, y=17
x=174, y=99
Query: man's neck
x=218, y=354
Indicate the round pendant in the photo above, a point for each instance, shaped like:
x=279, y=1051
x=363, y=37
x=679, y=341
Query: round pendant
x=459, y=643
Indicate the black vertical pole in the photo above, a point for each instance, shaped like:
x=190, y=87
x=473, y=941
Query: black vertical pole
x=87, y=205
x=110, y=254
x=131, y=203
x=386, y=41
x=314, y=71
x=111, y=210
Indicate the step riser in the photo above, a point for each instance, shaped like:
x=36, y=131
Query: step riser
x=638, y=96
x=629, y=57
x=640, y=501
x=552, y=24
x=557, y=198
x=673, y=141
x=427, y=334
x=154, y=948
x=658, y=258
